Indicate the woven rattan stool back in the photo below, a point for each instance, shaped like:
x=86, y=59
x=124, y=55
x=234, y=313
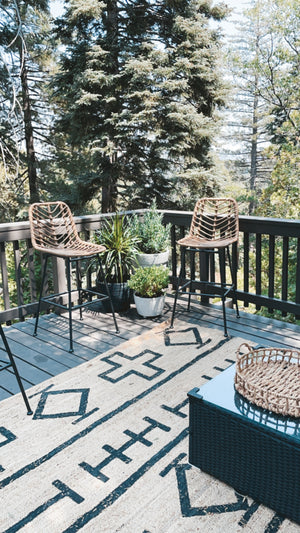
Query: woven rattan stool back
x=53, y=227
x=215, y=222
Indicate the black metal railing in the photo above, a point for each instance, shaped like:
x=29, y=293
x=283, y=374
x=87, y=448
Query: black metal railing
x=268, y=256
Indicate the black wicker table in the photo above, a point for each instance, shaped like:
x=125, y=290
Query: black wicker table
x=251, y=449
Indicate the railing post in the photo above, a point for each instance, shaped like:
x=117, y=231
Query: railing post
x=59, y=277
x=204, y=272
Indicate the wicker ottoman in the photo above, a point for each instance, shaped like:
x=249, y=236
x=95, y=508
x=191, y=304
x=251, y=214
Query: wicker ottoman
x=254, y=451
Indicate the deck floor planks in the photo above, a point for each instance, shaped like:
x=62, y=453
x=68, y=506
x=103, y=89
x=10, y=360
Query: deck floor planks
x=256, y=328
x=48, y=354
x=253, y=325
x=32, y=353
x=38, y=358
x=55, y=330
x=51, y=341
x=42, y=345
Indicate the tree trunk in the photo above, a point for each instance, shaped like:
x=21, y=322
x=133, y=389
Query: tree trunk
x=29, y=140
x=253, y=168
x=109, y=189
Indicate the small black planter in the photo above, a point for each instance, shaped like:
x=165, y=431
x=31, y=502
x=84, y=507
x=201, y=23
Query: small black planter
x=120, y=295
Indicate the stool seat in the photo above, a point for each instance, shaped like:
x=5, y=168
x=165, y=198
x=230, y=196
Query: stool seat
x=201, y=243
x=80, y=250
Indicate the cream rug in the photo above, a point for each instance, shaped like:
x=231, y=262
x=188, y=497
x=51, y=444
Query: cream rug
x=107, y=447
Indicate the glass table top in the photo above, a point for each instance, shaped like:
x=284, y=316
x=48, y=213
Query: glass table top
x=220, y=391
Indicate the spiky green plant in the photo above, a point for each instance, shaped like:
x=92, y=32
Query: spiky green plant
x=121, y=245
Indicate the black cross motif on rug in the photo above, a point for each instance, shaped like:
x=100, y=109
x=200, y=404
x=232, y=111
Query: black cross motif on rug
x=125, y=365
x=120, y=453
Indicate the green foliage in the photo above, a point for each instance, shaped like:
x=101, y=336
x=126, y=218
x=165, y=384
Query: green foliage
x=277, y=68
x=23, y=272
x=281, y=198
x=14, y=196
x=121, y=248
x=266, y=75
x=153, y=236
x=149, y=282
x=137, y=89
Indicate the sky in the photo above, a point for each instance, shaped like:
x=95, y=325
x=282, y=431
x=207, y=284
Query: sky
x=56, y=7
x=237, y=4
x=237, y=7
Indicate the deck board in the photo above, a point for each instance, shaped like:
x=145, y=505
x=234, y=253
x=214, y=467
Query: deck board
x=46, y=355
x=256, y=328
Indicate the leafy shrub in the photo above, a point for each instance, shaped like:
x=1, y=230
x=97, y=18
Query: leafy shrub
x=149, y=282
x=154, y=237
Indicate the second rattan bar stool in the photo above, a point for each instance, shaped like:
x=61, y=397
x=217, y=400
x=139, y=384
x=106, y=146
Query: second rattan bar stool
x=53, y=232
x=213, y=229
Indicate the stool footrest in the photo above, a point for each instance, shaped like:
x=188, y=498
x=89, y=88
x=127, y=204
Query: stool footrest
x=80, y=292
x=210, y=286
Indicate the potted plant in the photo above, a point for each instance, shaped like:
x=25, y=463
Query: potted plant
x=154, y=238
x=149, y=285
x=121, y=243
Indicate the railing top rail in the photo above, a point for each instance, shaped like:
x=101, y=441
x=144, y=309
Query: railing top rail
x=13, y=231
x=250, y=224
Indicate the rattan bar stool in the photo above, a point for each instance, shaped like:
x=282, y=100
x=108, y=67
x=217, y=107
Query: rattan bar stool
x=213, y=229
x=53, y=232
x=12, y=364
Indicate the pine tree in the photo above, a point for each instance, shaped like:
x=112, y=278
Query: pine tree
x=137, y=90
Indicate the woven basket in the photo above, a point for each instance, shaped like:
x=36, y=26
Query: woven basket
x=270, y=378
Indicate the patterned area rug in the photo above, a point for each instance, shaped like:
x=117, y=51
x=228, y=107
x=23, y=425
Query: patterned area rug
x=107, y=447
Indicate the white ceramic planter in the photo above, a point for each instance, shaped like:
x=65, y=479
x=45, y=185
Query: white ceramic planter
x=149, y=307
x=146, y=260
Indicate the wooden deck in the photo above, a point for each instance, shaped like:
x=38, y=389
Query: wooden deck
x=39, y=358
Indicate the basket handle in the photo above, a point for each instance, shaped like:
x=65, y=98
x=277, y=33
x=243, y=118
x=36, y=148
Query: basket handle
x=245, y=344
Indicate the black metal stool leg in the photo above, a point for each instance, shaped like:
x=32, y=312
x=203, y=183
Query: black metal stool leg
x=79, y=286
x=223, y=286
x=234, y=297
x=102, y=273
x=40, y=298
x=16, y=372
x=69, y=288
x=174, y=305
x=181, y=274
x=192, y=276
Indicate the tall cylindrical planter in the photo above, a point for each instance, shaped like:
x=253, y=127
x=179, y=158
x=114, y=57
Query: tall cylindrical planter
x=120, y=295
x=149, y=307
